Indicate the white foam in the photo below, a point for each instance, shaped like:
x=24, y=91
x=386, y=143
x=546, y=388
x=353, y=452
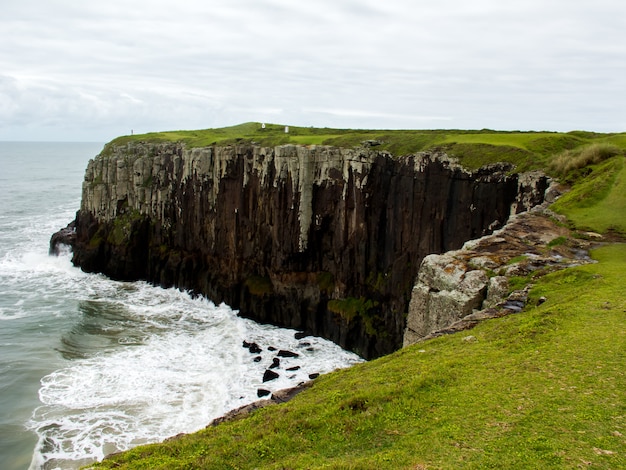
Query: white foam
x=177, y=364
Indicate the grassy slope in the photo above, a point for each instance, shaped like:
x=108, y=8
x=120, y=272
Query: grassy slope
x=542, y=389
x=598, y=202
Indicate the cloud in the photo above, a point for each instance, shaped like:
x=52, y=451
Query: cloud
x=366, y=114
x=88, y=70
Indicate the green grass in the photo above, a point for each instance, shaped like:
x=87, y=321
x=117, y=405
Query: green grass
x=541, y=389
x=473, y=148
x=597, y=200
x=271, y=135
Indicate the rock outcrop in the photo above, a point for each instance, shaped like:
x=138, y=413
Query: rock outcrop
x=457, y=289
x=321, y=239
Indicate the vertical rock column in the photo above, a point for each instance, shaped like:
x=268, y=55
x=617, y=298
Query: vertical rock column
x=318, y=238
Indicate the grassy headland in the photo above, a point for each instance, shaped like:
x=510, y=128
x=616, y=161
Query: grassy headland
x=545, y=388
x=473, y=148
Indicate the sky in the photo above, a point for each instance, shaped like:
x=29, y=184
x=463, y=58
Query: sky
x=73, y=70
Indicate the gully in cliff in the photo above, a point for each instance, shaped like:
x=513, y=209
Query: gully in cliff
x=322, y=239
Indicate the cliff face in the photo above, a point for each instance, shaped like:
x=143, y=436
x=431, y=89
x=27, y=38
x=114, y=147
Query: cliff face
x=321, y=239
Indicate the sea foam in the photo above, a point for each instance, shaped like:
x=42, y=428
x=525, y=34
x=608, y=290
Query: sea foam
x=147, y=363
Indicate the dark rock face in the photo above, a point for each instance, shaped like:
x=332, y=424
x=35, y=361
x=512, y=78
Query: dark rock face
x=324, y=240
x=66, y=236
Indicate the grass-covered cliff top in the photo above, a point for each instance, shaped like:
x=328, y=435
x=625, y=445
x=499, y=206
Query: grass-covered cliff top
x=545, y=388
x=474, y=148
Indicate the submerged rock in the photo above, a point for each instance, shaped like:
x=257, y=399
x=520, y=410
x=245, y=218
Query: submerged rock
x=252, y=347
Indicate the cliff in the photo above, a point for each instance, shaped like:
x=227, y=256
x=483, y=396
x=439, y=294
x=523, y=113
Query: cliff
x=458, y=289
x=322, y=239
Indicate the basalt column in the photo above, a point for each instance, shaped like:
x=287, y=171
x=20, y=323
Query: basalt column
x=321, y=239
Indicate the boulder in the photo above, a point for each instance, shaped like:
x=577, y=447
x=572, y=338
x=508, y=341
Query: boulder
x=270, y=375
x=252, y=347
x=285, y=353
x=447, y=290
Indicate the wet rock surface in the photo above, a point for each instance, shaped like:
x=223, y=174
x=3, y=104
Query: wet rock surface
x=64, y=237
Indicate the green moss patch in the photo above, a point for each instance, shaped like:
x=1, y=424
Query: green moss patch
x=350, y=307
x=122, y=227
x=326, y=282
x=259, y=286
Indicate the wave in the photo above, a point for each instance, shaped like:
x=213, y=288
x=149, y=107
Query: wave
x=146, y=363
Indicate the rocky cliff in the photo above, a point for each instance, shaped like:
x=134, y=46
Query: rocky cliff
x=321, y=239
x=457, y=289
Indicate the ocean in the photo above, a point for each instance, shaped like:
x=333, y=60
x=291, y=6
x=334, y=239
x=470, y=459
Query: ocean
x=90, y=366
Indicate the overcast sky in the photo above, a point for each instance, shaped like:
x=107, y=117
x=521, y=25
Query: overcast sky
x=82, y=70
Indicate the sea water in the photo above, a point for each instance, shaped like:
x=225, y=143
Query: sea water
x=90, y=366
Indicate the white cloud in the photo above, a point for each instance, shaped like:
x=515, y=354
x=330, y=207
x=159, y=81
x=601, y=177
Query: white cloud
x=74, y=70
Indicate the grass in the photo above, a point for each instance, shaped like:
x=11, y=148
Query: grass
x=538, y=390
x=542, y=389
x=473, y=148
x=597, y=200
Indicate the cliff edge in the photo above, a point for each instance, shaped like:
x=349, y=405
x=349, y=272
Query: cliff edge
x=322, y=239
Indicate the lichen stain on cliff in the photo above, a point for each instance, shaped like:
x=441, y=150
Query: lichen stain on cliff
x=290, y=234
